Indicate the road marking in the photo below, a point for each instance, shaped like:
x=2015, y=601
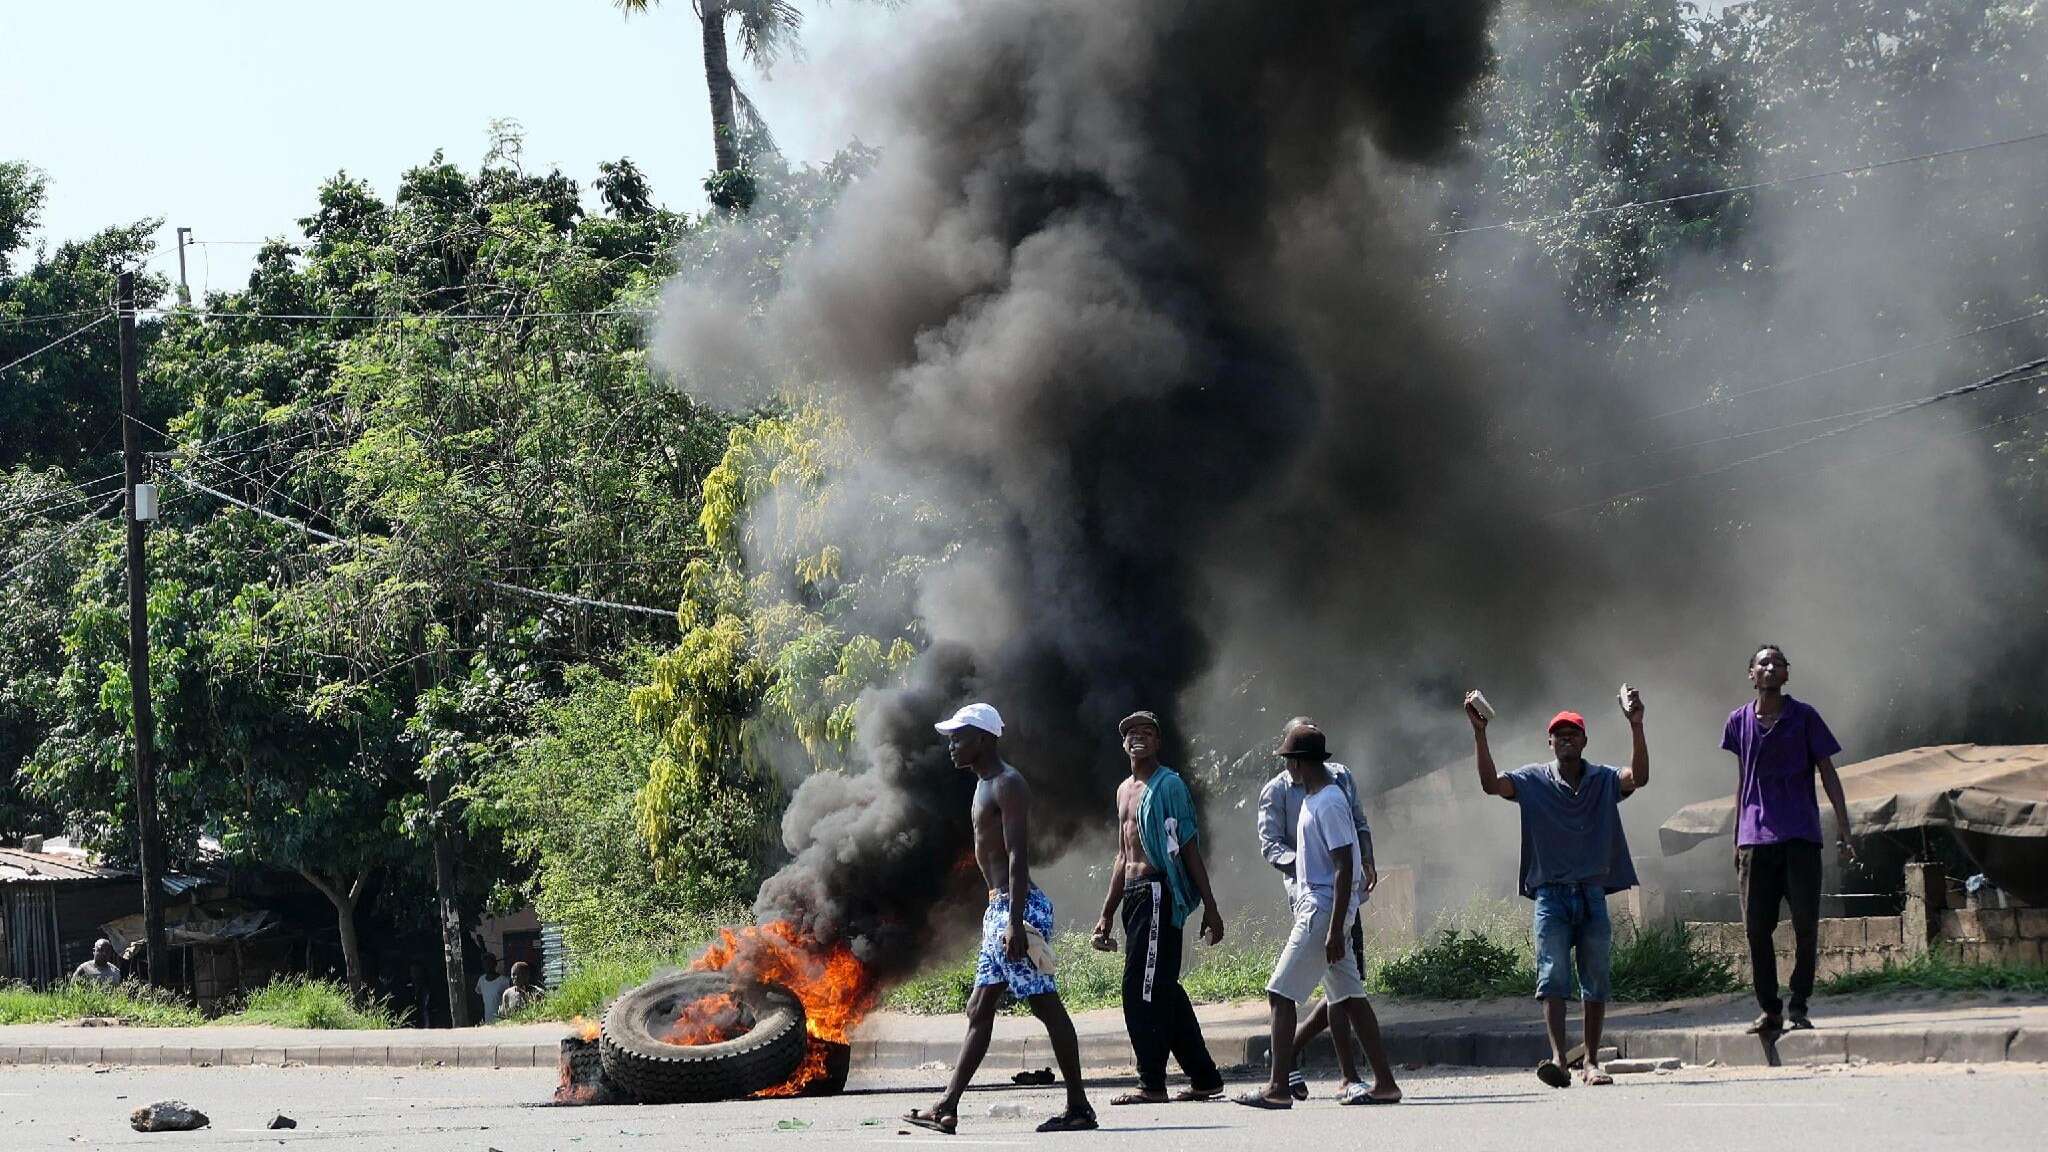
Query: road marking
x=1751, y=1104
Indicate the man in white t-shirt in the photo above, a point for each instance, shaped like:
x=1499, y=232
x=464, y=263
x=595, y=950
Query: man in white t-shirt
x=101, y=969
x=491, y=986
x=1329, y=885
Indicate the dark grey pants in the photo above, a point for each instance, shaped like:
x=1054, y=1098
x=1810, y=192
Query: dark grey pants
x=1787, y=872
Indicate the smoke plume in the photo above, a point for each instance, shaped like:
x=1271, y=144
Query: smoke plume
x=1142, y=296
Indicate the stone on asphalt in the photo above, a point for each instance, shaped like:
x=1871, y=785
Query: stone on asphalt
x=167, y=1116
x=282, y=1121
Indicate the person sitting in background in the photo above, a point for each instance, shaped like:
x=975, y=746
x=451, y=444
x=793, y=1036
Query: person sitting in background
x=491, y=988
x=523, y=993
x=1573, y=854
x=101, y=969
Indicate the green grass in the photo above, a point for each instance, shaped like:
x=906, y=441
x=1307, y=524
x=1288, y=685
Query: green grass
x=1457, y=964
x=1237, y=969
x=131, y=1003
x=1666, y=963
x=295, y=1002
x=1940, y=972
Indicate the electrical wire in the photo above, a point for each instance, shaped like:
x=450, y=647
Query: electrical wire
x=59, y=506
x=92, y=517
x=1863, y=363
x=2014, y=374
x=401, y=317
x=41, y=317
x=558, y=597
x=74, y=334
x=1730, y=190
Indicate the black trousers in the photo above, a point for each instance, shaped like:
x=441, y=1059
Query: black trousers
x=1157, y=1012
x=1787, y=872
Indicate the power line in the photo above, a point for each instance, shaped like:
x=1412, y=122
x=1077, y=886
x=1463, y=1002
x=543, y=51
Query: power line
x=558, y=597
x=1865, y=362
x=309, y=509
x=89, y=518
x=400, y=317
x=2015, y=374
x=74, y=334
x=42, y=317
x=83, y=497
x=1730, y=190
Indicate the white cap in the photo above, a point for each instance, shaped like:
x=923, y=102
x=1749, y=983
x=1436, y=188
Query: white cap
x=982, y=716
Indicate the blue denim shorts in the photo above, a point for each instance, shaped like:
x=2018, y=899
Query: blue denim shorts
x=1571, y=921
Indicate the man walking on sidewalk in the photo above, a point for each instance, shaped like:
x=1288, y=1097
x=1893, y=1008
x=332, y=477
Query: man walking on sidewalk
x=1329, y=883
x=1279, y=808
x=1158, y=878
x=1778, y=742
x=1573, y=854
x=1016, y=931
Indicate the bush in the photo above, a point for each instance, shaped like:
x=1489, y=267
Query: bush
x=131, y=1003
x=1940, y=971
x=1459, y=965
x=1667, y=963
x=299, y=1002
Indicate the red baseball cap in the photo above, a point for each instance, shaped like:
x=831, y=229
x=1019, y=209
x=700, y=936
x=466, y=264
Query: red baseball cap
x=1571, y=718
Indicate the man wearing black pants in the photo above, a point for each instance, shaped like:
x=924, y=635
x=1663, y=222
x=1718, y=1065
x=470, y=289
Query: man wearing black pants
x=1157, y=879
x=1779, y=744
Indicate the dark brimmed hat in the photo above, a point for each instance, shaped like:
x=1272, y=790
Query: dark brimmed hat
x=1304, y=743
x=1124, y=726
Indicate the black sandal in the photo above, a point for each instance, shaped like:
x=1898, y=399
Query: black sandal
x=1071, y=1121
x=944, y=1123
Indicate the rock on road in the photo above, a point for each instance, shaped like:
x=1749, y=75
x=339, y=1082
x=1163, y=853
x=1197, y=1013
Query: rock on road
x=1869, y=1109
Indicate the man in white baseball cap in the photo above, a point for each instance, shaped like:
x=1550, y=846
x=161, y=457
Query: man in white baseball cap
x=1016, y=931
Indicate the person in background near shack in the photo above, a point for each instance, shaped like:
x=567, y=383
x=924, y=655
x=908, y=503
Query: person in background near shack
x=1158, y=878
x=1329, y=884
x=1573, y=854
x=490, y=988
x=523, y=993
x=1279, y=808
x=101, y=969
x=1016, y=931
x=1778, y=742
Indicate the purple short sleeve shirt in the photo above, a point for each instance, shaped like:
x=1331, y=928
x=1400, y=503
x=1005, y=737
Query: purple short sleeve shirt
x=1775, y=793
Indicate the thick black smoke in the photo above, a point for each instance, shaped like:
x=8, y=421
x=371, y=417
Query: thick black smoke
x=1051, y=311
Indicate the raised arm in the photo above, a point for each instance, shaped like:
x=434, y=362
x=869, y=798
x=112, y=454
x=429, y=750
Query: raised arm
x=1638, y=773
x=1490, y=780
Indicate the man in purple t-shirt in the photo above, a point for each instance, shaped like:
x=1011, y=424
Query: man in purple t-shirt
x=1778, y=742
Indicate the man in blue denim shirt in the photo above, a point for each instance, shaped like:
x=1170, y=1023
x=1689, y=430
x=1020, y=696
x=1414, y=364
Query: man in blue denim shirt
x=1573, y=854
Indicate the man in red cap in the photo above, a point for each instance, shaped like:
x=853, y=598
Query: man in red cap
x=1573, y=854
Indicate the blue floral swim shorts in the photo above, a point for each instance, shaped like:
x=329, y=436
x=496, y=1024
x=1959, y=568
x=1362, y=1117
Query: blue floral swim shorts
x=993, y=967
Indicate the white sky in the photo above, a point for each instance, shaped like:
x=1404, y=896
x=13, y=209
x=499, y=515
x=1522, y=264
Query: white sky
x=225, y=115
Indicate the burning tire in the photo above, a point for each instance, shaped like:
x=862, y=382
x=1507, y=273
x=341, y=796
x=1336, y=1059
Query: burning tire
x=765, y=1048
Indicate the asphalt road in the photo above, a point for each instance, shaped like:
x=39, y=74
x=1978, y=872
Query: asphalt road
x=1869, y=1109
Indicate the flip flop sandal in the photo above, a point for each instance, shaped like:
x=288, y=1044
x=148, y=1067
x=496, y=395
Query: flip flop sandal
x=1262, y=1101
x=1765, y=1025
x=1298, y=1090
x=1038, y=1076
x=1193, y=1095
x=1597, y=1079
x=1139, y=1098
x=1362, y=1096
x=943, y=1123
x=1071, y=1122
x=1550, y=1073
x=1798, y=1022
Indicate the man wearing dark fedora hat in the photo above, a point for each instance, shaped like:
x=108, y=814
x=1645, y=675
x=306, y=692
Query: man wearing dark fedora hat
x=1329, y=883
x=1573, y=854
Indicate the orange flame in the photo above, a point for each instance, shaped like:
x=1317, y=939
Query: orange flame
x=583, y=1029
x=708, y=1020
x=836, y=990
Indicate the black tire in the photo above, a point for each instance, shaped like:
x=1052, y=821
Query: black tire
x=638, y=1062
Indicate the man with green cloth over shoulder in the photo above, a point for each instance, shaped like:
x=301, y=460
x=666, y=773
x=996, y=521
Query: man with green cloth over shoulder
x=1158, y=879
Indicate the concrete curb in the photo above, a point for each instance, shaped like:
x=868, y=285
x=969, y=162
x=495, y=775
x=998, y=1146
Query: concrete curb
x=1405, y=1045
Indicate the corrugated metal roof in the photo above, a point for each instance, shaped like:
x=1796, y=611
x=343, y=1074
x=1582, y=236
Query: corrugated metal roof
x=19, y=866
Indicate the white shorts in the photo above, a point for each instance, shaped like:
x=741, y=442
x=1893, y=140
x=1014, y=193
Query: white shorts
x=1304, y=963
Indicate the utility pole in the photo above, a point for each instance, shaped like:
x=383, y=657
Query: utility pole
x=138, y=648
x=184, y=286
